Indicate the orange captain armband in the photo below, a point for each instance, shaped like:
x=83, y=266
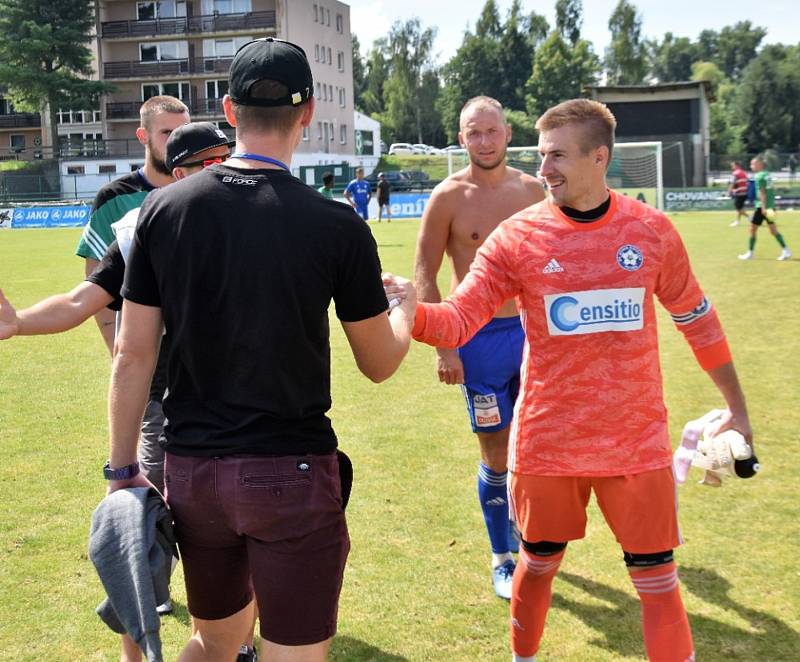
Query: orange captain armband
x=714, y=355
x=419, y=321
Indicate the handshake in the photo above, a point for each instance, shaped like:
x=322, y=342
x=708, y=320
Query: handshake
x=719, y=455
x=399, y=292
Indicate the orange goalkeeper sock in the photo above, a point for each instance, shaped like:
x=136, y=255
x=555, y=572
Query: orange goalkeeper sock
x=667, y=636
x=531, y=593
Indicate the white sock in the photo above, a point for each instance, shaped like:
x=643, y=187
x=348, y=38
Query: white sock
x=500, y=559
x=520, y=658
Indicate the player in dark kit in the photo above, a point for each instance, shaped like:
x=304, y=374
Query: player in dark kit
x=240, y=263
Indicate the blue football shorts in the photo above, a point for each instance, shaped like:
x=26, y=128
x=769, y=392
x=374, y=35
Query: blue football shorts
x=492, y=361
x=362, y=209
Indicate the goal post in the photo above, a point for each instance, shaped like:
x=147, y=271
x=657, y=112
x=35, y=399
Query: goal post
x=636, y=168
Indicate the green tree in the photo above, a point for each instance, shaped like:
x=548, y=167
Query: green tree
x=377, y=71
x=409, y=51
x=766, y=99
x=559, y=72
x=488, y=25
x=626, y=57
x=359, y=76
x=672, y=59
x=45, y=61
x=732, y=48
x=724, y=128
x=569, y=19
x=514, y=59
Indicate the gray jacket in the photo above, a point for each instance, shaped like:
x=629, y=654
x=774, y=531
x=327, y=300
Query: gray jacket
x=132, y=544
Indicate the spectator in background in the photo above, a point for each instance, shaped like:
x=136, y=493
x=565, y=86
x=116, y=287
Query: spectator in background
x=327, y=185
x=384, y=193
x=738, y=191
x=792, y=163
x=158, y=117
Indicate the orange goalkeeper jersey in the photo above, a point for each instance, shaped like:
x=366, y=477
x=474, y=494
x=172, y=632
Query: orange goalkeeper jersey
x=591, y=400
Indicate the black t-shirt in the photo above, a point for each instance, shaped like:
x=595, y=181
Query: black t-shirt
x=383, y=189
x=244, y=265
x=109, y=275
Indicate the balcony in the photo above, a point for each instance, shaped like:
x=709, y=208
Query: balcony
x=128, y=110
x=168, y=68
x=20, y=120
x=257, y=20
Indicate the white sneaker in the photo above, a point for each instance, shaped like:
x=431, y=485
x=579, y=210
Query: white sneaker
x=786, y=254
x=746, y=256
x=734, y=223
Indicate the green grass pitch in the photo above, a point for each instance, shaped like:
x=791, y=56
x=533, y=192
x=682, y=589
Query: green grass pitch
x=417, y=585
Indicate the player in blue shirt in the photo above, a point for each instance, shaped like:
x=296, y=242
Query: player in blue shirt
x=358, y=194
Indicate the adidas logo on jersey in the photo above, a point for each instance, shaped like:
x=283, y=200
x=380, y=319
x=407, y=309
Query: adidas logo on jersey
x=552, y=267
x=497, y=501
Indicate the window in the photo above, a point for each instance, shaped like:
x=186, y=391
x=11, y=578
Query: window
x=328, y=16
x=316, y=14
x=343, y=134
x=340, y=60
x=318, y=94
x=319, y=130
x=339, y=23
x=17, y=141
x=6, y=107
x=105, y=168
x=316, y=52
x=216, y=89
x=147, y=11
x=330, y=131
x=177, y=90
x=341, y=97
x=78, y=116
x=330, y=58
x=330, y=92
x=163, y=50
x=76, y=170
x=306, y=133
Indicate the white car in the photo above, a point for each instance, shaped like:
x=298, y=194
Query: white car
x=401, y=148
x=420, y=148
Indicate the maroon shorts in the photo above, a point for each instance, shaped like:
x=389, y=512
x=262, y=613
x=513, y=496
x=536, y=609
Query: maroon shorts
x=274, y=521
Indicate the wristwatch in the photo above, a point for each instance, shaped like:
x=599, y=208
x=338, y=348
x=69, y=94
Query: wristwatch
x=123, y=473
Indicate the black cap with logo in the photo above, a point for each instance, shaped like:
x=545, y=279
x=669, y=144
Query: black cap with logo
x=193, y=138
x=270, y=59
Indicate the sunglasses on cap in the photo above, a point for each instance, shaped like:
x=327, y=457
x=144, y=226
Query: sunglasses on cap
x=205, y=162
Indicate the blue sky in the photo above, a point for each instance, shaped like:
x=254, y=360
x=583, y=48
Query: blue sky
x=371, y=19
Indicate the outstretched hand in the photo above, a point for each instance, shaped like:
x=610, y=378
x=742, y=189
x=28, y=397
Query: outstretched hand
x=9, y=323
x=399, y=292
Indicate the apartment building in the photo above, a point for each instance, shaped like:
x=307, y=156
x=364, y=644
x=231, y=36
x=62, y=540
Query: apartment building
x=184, y=48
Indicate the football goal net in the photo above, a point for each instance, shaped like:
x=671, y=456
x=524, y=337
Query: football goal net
x=635, y=169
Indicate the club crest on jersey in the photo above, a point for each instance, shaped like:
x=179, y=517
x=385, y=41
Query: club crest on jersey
x=594, y=311
x=629, y=257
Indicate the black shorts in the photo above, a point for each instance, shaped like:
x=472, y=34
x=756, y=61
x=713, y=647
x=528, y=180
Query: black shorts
x=383, y=201
x=739, y=200
x=759, y=217
x=273, y=525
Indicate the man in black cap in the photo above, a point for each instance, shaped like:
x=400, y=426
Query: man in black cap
x=189, y=149
x=240, y=263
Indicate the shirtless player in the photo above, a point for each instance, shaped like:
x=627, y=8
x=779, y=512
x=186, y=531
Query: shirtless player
x=461, y=213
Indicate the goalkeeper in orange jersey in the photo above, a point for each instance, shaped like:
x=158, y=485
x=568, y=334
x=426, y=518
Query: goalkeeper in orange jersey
x=590, y=414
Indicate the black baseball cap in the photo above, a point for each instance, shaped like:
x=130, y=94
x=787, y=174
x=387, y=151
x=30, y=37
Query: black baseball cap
x=270, y=59
x=193, y=138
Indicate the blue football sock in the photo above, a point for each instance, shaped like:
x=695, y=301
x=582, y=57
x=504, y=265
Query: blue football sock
x=493, y=497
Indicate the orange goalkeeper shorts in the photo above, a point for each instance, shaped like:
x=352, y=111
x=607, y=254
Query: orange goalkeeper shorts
x=641, y=509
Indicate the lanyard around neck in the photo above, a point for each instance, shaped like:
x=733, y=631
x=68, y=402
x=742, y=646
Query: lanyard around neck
x=258, y=157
